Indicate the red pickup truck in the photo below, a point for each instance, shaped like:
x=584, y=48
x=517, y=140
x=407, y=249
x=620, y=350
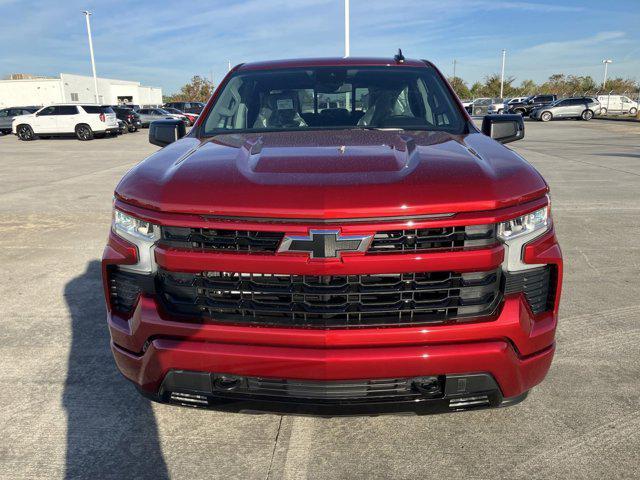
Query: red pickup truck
x=334, y=236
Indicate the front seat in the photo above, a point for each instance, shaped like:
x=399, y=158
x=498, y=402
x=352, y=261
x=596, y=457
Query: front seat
x=280, y=110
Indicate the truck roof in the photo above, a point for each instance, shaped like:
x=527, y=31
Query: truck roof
x=332, y=62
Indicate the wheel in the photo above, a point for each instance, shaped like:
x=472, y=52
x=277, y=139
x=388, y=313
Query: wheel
x=587, y=115
x=603, y=111
x=546, y=116
x=25, y=132
x=84, y=133
x=132, y=128
x=633, y=111
x=501, y=111
x=519, y=111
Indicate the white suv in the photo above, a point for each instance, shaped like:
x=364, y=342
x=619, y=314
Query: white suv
x=83, y=121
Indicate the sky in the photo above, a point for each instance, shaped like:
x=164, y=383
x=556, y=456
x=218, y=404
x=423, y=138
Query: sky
x=165, y=43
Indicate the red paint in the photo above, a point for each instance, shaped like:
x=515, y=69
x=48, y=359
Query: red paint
x=300, y=180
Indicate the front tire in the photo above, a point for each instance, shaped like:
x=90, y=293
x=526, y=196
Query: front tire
x=546, y=116
x=633, y=111
x=25, y=133
x=603, y=111
x=84, y=133
x=587, y=115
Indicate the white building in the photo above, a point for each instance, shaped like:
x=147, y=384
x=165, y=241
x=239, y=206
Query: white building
x=71, y=88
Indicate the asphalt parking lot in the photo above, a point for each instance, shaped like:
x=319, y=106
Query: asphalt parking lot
x=66, y=411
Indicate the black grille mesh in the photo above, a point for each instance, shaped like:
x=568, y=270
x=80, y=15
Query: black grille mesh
x=330, y=301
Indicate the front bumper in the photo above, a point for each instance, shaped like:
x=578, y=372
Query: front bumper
x=514, y=347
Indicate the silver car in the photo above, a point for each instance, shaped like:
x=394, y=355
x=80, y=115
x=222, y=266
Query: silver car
x=148, y=115
x=575, y=107
x=7, y=115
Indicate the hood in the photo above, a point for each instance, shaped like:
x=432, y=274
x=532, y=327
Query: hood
x=332, y=174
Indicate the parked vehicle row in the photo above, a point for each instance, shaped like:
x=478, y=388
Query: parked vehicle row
x=546, y=107
x=85, y=121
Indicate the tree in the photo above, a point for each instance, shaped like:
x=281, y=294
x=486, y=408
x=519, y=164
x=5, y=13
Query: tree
x=476, y=90
x=199, y=89
x=460, y=87
x=527, y=87
x=491, y=86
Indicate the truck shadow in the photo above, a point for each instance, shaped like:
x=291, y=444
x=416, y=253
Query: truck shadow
x=111, y=429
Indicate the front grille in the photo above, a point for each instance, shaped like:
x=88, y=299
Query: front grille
x=385, y=241
x=225, y=240
x=433, y=238
x=536, y=285
x=330, y=301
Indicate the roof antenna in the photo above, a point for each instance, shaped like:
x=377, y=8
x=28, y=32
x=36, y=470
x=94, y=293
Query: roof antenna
x=399, y=57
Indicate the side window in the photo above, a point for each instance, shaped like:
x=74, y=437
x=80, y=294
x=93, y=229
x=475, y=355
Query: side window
x=66, y=110
x=91, y=108
x=4, y=113
x=47, y=111
x=143, y=111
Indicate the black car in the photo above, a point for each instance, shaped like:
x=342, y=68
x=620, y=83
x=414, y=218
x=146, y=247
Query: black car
x=531, y=103
x=128, y=116
x=187, y=107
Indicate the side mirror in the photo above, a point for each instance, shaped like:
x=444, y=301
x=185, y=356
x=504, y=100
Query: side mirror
x=503, y=128
x=164, y=132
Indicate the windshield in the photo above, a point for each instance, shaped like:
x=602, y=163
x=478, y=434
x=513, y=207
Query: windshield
x=334, y=97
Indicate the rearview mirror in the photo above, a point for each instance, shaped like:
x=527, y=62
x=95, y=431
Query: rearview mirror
x=503, y=128
x=164, y=132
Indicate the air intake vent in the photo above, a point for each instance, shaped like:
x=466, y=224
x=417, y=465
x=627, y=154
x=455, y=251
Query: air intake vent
x=124, y=289
x=535, y=283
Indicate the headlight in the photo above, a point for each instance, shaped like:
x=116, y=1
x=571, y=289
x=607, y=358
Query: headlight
x=519, y=231
x=142, y=234
x=128, y=225
x=524, y=225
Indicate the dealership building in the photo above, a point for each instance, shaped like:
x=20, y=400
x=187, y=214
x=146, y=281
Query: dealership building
x=22, y=90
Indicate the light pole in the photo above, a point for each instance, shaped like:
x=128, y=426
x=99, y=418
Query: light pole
x=604, y=79
x=87, y=14
x=454, y=67
x=346, y=28
x=504, y=55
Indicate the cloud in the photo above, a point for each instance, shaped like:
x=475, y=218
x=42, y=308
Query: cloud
x=164, y=42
